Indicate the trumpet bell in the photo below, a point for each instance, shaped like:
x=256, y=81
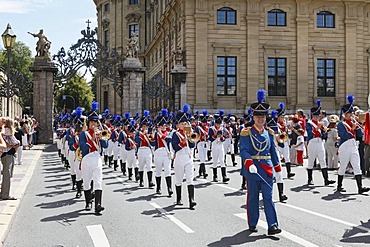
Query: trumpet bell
x=283, y=137
x=194, y=137
x=105, y=135
x=78, y=154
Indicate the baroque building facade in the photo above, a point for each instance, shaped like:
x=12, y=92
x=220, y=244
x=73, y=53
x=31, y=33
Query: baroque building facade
x=298, y=50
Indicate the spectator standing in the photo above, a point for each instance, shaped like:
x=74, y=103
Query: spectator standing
x=19, y=134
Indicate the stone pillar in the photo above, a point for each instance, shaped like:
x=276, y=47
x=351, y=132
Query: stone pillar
x=133, y=76
x=351, y=48
x=253, y=19
x=302, y=55
x=43, y=96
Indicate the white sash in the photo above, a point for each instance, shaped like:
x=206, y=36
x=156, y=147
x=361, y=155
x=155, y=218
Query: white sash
x=93, y=141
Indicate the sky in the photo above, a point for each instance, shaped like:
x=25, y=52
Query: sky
x=62, y=20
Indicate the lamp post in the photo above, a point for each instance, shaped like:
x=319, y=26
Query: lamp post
x=65, y=98
x=9, y=41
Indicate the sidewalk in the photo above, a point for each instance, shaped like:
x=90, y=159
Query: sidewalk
x=21, y=177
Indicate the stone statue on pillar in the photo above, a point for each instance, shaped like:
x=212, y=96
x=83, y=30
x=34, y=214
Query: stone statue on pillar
x=42, y=45
x=132, y=47
x=178, y=56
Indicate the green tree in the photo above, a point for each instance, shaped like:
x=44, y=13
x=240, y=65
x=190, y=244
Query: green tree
x=93, y=84
x=20, y=61
x=78, y=88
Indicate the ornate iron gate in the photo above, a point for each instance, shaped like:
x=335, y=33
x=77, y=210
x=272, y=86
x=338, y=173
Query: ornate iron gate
x=157, y=94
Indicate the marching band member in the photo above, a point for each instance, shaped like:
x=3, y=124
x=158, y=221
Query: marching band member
x=90, y=143
x=59, y=132
x=284, y=144
x=273, y=124
x=110, y=127
x=122, y=141
x=114, y=137
x=79, y=123
x=65, y=123
x=162, y=154
x=348, y=152
x=105, y=115
x=70, y=136
x=216, y=135
x=144, y=153
x=316, y=131
x=229, y=142
x=131, y=149
x=183, y=162
x=260, y=156
x=202, y=145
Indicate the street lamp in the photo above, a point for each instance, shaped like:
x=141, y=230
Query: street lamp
x=9, y=41
x=64, y=97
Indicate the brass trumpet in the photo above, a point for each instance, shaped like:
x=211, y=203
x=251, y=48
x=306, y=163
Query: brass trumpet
x=104, y=134
x=78, y=154
x=283, y=137
x=194, y=137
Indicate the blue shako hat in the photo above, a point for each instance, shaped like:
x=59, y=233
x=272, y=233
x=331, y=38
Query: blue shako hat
x=203, y=117
x=93, y=115
x=131, y=126
x=281, y=110
x=227, y=119
x=145, y=120
x=260, y=108
x=118, y=121
x=272, y=119
x=316, y=110
x=126, y=120
x=79, y=119
x=162, y=118
x=183, y=115
x=348, y=108
x=219, y=116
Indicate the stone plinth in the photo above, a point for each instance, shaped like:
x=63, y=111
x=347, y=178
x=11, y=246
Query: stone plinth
x=133, y=76
x=43, y=96
x=179, y=73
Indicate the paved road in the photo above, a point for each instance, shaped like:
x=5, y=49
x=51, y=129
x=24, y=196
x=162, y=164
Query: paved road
x=313, y=216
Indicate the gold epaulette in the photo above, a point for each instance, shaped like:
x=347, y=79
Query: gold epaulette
x=245, y=131
x=271, y=131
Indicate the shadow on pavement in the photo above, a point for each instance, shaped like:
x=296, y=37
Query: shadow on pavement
x=57, y=204
x=168, y=209
x=236, y=193
x=127, y=191
x=306, y=187
x=339, y=196
x=66, y=218
x=202, y=185
x=356, y=230
x=142, y=198
x=53, y=193
x=50, y=148
x=241, y=238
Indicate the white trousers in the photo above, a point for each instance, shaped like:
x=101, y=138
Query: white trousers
x=218, y=154
x=162, y=161
x=228, y=145
x=144, y=156
x=66, y=150
x=76, y=166
x=19, y=155
x=116, y=150
x=285, y=152
x=123, y=153
x=92, y=169
x=110, y=148
x=348, y=153
x=316, y=150
x=202, y=151
x=131, y=159
x=183, y=164
x=59, y=142
x=71, y=160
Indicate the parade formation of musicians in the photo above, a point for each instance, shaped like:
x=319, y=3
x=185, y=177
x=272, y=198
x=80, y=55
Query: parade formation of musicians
x=265, y=138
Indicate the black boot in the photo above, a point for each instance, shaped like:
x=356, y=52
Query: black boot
x=137, y=177
x=73, y=182
x=359, y=185
x=244, y=186
x=123, y=168
x=233, y=159
x=59, y=152
x=110, y=161
x=225, y=160
x=79, y=189
x=340, y=182
x=309, y=174
x=192, y=203
x=200, y=170
x=205, y=175
x=66, y=164
x=282, y=197
x=105, y=159
x=178, y=195
x=289, y=170
x=87, y=200
x=325, y=175
x=209, y=155
x=158, y=181
x=141, y=176
x=98, y=206
x=172, y=161
x=92, y=191
x=215, y=175
x=150, y=182
x=129, y=173
x=169, y=186
x=115, y=162
x=225, y=179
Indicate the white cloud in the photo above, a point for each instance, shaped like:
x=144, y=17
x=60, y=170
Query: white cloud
x=25, y=6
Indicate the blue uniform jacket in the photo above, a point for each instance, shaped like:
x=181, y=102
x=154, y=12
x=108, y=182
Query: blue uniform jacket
x=122, y=138
x=311, y=134
x=85, y=147
x=176, y=142
x=128, y=144
x=344, y=134
x=154, y=142
x=266, y=142
x=211, y=134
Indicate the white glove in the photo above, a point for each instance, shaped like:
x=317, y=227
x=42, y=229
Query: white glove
x=279, y=177
x=253, y=169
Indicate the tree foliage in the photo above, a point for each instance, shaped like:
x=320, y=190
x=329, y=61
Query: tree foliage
x=20, y=61
x=78, y=89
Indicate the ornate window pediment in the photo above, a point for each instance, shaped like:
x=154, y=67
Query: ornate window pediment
x=133, y=18
x=105, y=22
